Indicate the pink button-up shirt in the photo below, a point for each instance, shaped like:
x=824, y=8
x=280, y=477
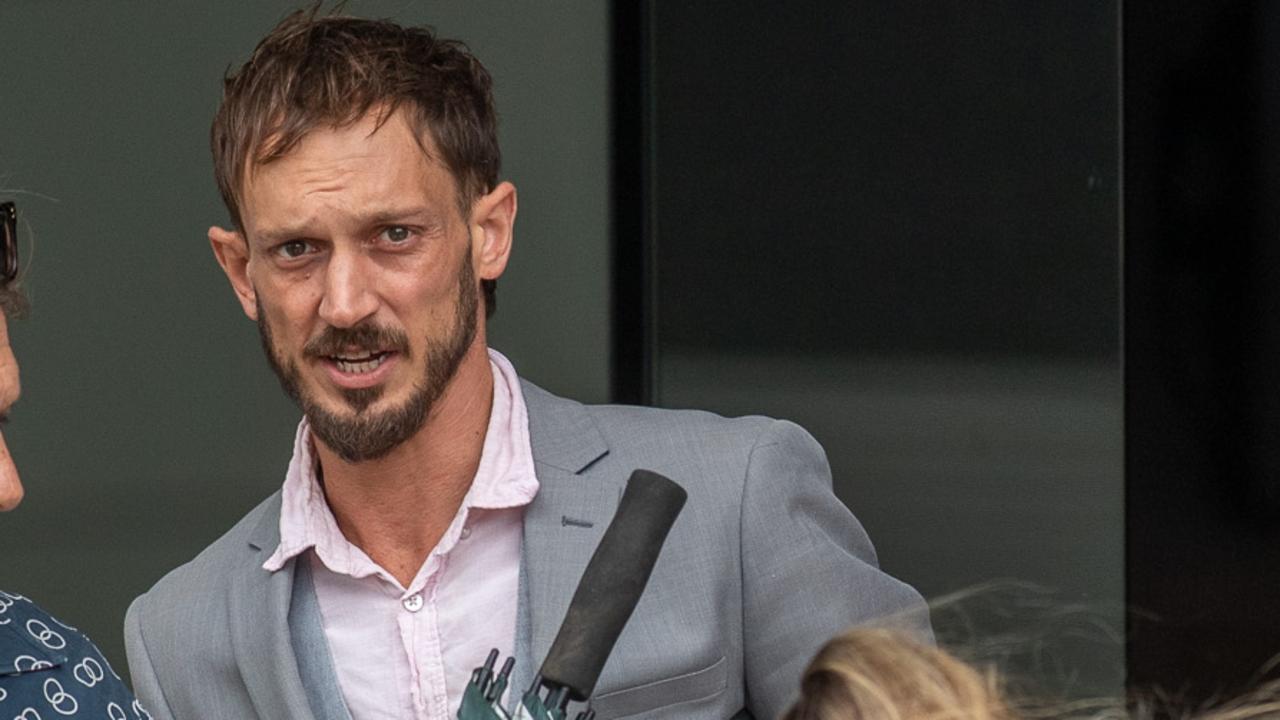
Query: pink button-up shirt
x=408, y=652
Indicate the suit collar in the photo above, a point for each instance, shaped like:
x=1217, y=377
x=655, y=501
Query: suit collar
x=265, y=531
x=562, y=432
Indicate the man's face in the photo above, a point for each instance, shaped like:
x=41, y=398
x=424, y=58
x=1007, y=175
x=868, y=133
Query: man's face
x=363, y=434
x=10, y=388
x=362, y=275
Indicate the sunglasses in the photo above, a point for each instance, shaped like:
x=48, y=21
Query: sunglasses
x=8, y=242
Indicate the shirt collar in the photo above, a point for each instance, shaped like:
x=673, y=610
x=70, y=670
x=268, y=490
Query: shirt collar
x=505, y=478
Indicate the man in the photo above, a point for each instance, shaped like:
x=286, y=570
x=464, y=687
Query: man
x=437, y=505
x=47, y=668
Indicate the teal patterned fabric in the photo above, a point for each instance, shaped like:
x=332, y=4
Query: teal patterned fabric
x=51, y=670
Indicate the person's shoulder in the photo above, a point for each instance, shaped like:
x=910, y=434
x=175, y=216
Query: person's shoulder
x=28, y=631
x=691, y=423
x=652, y=431
x=19, y=612
x=43, y=658
x=208, y=571
x=683, y=426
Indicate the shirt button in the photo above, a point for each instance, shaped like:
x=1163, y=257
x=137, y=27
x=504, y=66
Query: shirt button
x=413, y=603
x=466, y=532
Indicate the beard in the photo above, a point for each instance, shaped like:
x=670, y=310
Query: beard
x=361, y=434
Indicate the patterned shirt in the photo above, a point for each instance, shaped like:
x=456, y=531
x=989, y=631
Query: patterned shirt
x=50, y=670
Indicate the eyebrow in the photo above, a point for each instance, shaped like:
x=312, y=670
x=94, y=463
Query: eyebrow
x=382, y=217
x=377, y=217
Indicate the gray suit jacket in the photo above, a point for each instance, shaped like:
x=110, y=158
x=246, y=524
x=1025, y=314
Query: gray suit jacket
x=763, y=566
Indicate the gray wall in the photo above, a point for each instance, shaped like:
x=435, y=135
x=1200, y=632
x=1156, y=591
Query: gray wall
x=149, y=421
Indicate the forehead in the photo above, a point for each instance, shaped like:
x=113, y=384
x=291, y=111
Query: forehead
x=350, y=167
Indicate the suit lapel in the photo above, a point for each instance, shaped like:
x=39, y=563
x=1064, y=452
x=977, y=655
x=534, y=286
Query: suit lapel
x=259, y=618
x=564, y=523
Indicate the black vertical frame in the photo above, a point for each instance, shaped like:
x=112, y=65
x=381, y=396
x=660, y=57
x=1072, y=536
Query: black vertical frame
x=1202, y=378
x=631, y=360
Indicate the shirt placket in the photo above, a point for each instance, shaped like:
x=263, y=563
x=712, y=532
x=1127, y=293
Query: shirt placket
x=420, y=632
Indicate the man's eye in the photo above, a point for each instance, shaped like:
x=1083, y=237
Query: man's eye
x=292, y=249
x=397, y=234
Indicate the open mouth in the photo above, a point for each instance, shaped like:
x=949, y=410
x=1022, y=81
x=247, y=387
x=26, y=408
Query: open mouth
x=359, y=364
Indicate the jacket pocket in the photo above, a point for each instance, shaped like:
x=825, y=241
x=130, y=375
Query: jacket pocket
x=710, y=680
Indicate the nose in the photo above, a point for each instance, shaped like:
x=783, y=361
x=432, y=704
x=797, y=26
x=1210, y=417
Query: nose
x=10, y=484
x=349, y=295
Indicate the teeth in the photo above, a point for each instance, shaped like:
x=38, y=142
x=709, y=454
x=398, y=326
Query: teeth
x=359, y=366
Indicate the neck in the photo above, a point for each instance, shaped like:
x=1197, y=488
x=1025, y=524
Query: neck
x=397, y=508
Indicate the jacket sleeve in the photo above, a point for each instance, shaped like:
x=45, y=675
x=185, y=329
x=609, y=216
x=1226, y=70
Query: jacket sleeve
x=809, y=569
x=146, y=686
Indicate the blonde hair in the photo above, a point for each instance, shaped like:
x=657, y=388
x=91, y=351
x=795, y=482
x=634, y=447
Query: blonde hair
x=883, y=674
x=880, y=674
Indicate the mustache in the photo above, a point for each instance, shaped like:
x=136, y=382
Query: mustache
x=372, y=338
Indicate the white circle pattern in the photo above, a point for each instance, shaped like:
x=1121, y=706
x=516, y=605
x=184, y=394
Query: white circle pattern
x=46, y=635
x=49, y=670
x=27, y=663
x=59, y=699
x=89, y=672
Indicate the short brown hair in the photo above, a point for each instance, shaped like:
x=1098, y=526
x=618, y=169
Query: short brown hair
x=312, y=71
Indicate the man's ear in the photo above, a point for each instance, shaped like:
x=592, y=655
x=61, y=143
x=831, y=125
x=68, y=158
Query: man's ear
x=233, y=255
x=493, y=219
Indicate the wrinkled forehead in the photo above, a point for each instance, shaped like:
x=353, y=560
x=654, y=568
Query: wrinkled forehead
x=374, y=160
x=283, y=134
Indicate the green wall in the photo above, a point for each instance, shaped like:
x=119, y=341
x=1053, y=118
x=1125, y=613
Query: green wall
x=149, y=421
